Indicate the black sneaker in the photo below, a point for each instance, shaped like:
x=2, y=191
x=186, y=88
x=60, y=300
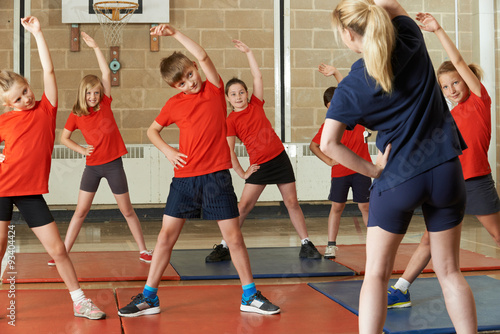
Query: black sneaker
x=257, y=303
x=140, y=305
x=309, y=251
x=220, y=253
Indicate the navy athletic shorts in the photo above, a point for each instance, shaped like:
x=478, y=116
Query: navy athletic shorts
x=440, y=191
x=360, y=185
x=33, y=208
x=482, y=196
x=213, y=193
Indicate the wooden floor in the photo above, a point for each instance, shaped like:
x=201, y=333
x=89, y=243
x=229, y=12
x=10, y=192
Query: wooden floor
x=199, y=234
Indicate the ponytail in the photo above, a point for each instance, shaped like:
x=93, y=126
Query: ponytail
x=373, y=23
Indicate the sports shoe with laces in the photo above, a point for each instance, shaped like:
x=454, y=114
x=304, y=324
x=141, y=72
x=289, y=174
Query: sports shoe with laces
x=87, y=309
x=309, y=251
x=140, y=305
x=257, y=303
x=220, y=253
x=331, y=252
x=397, y=298
x=146, y=256
x=51, y=262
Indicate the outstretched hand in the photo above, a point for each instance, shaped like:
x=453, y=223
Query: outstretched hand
x=31, y=24
x=91, y=43
x=429, y=23
x=162, y=30
x=241, y=46
x=326, y=70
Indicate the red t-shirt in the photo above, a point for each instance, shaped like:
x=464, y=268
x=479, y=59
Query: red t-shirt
x=354, y=141
x=253, y=128
x=201, y=119
x=29, y=141
x=99, y=130
x=473, y=119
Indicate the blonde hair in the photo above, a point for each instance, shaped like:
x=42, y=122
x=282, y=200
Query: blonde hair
x=7, y=80
x=448, y=66
x=88, y=82
x=173, y=67
x=379, y=36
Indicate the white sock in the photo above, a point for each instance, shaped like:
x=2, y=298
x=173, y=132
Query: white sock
x=304, y=241
x=77, y=295
x=402, y=284
x=223, y=243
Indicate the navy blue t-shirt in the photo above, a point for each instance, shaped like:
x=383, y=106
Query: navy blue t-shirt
x=414, y=118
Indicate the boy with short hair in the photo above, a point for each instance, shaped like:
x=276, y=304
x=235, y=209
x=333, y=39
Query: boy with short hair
x=202, y=179
x=342, y=177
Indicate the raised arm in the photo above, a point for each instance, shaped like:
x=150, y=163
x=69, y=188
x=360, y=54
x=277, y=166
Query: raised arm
x=258, y=85
x=32, y=24
x=393, y=8
x=173, y=155
x=101, y=60
x=430, y=24
x=194, y=48
x=328, y=70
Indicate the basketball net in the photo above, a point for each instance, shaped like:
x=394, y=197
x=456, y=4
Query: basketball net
x=113, y=16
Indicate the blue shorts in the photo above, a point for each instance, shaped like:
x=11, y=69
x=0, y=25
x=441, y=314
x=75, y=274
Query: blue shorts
x=440, y=191
x=482, y=196
x=33, y=208
x=112, y=171
x=360, y=185
x=212, y=192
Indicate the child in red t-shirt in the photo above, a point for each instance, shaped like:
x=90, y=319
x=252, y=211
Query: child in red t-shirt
x=461, y=84
x=343, y=178
x=28, y=131
x=201, y=180
x=269, y=163
x=93, y=116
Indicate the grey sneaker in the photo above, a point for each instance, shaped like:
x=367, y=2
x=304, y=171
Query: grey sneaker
x=331, y=252
x=220, y=253
x=87, y=309
x=257, y=303
x=309, y=251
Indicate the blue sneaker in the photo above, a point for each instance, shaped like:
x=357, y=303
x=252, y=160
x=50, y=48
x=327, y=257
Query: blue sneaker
x=257, y=303
x=140, y=305
x=397, y=298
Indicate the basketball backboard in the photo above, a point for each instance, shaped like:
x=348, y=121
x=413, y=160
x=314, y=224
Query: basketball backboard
x=149, y=11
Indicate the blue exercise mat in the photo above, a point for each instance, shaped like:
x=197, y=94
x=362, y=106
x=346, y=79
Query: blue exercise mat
x=271, y=262
x=428, y=312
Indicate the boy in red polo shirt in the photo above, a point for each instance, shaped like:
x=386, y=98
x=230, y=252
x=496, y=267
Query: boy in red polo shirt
x=202, y=179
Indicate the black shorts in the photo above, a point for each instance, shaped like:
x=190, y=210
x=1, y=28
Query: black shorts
x=112, y=171
x=214, y=193
x=360, y=185
x=440, y=191
x=278, y=170
x=482, y=197
x=33, y=208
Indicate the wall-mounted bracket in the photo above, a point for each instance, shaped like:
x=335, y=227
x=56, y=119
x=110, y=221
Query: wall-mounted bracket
x=115, y=65
x=154, y=41
x=75, y=38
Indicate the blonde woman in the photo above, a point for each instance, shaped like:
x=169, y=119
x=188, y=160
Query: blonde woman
x=393, y=89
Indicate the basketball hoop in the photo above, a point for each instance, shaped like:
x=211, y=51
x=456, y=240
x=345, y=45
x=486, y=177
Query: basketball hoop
x=113, y=16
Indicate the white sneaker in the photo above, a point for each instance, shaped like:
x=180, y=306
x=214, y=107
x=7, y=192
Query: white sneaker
x=330, y=252
x=87, y=309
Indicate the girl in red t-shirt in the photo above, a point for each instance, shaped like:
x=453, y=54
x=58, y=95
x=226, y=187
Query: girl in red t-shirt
x=93, y=116
x=269, y=163
x=28, y=131
x=461, y=84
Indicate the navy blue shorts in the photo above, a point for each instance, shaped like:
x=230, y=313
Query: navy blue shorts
x=112, y=171
x=278, y=170
x=33, y=208
x=360, y=185
x=212, y=192
x=482, y=196
x=440, y=191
